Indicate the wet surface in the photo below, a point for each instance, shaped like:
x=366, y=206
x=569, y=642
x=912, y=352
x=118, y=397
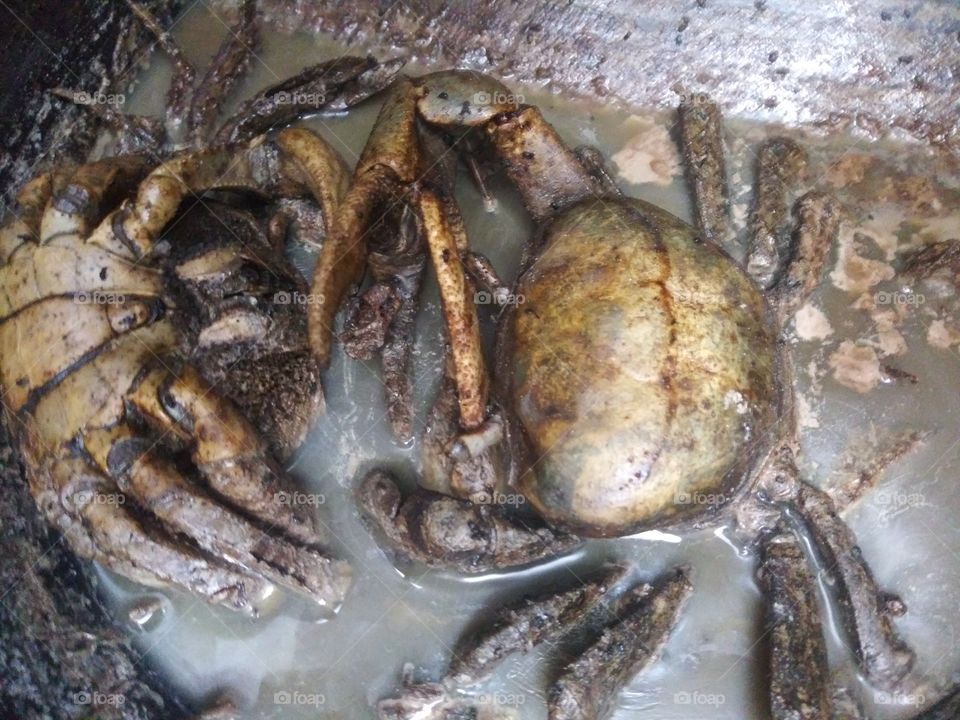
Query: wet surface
x=854, y=344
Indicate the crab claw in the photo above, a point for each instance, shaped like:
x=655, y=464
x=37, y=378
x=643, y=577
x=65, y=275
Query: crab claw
x=439, y=530
x=403, y=164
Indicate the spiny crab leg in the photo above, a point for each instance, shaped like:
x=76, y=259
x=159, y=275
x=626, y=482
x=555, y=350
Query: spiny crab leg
x=223, y=73
x=329, y=86
x=799, y=673
x=384, y=316
x=625, y=634
x=780, y=165
x=866, y=611
x=135, y=133
x=817, y=224
x=184, y=74
x=523, y=626
x=701, y=140
x=586, y=688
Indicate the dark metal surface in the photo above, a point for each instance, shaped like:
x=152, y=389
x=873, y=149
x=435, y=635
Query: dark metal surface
x=878, y=67
x=84, y=45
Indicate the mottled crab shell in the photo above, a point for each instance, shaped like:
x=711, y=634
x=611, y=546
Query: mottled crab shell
x=643, y=374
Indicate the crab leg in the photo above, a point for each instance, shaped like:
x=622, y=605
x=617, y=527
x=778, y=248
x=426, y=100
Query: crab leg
x=320, y=167
x=440, y=530
x=225, y=448
x=465, y=465
x=818, y=221
x=866, y=612
x=135, y=133
x=184, y=74
x=383, y=319
x=157, y=485
x=596, y=166
x=387, y=165
x=226, y=69
x=799, y=674
x=520, y=628
x=701, y=140
x=329, y=86
x=780, y=165
x=529, y=147
x=400, y=165
x=102, y=527
x=587, y=687
x=445, y=237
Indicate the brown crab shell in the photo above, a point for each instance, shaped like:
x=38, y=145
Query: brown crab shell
x=643, y=372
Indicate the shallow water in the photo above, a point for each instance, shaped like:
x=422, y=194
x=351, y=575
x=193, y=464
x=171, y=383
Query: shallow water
x=294, y=663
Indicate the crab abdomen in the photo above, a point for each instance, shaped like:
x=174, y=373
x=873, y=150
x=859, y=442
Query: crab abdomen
x=643, y=374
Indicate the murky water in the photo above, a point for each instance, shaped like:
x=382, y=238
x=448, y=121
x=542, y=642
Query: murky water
x=294, y=664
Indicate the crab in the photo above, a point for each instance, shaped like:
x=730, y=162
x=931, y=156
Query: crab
x=643, y=384
x=154, y=365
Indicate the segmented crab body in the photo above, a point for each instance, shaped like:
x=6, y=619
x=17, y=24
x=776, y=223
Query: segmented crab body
x=155, y=364
x=111, y=347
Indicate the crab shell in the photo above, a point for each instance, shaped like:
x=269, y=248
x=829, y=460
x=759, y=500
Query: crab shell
x=643, y=372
